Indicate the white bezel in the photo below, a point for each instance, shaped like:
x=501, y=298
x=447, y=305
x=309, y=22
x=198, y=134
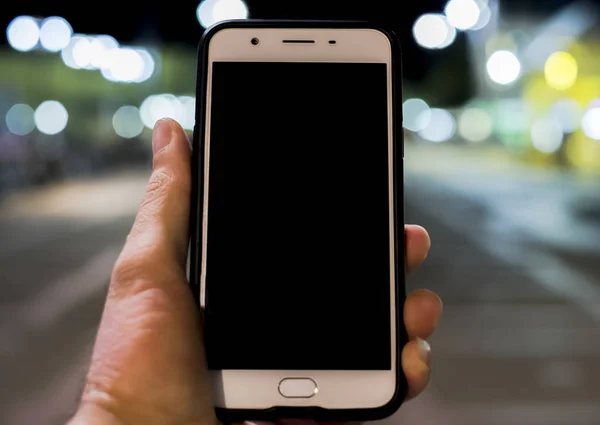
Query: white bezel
x=258, y=389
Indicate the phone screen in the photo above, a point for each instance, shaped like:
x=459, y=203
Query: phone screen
x=298, y=233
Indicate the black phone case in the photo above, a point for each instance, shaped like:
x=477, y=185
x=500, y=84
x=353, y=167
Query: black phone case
x=315, y=413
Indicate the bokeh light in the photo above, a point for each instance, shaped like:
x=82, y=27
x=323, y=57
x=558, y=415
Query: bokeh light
x=116, y=63
x=164, y=106
x=503, y=67
x=55, y=33
x=23, y=33
x=450, y=37
x=182, y=109
x=567, y=113
x=433, y=31
x=125, y=64
x=441, y=128
x=546, y=135
x=416, y=114
x=19, y=119
x=591, y=123
x=101, y=46
x=67, y=54
x=229, y=9
x=188, y=118
x=204, y=13
x=145, y=114
x=475, y=125
x=511, y=117
x=51, y=117
x=561, y=70
x=83, y=52
x=148, y=65
x=127, y=122
x=485, y=16
x=209, y=12
x=462, y=14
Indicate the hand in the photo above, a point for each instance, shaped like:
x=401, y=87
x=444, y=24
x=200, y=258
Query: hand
x=148, y=364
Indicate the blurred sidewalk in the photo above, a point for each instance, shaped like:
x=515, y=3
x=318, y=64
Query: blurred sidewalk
x=29, y=217
x=548, y=205
x=59, y=243
x=513, y=258
x=93, y=198
x=516, y=264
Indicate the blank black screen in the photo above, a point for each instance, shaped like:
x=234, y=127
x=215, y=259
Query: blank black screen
x=298, y=260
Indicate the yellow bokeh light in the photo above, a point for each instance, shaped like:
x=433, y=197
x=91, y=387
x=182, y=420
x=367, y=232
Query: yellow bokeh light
x=561, y=70
x=583, y=153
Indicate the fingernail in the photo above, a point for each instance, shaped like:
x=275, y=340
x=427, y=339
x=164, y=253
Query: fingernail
x=424, y=351
x=161, y=135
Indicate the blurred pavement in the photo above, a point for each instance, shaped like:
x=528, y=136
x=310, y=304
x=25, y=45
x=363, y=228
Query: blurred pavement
x=514, y=257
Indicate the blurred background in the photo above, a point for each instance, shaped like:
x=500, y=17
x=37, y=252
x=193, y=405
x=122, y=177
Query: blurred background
x=502, y=125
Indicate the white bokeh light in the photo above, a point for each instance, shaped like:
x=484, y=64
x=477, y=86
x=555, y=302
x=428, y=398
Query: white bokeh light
x=475, y=125
x=51, y=117
x=591, y=123
x=125, y=64
x=229, y=9
x=450, y=37
x=106, y=41
x=182, y=109
x=567, y=113
x=485, y=16
x=416, y=114
x=127, y=122
x=204, y=13
x=122, y=64
x=19, y=119
x=433, y=31
x=83, y=52
x=164, y=106
x=188, y=118
x=157, y=107
x=209, y=12
x=89, y=52
x=546, y=135
x=503, y=67
x=462, y=14
x=145, y=114
x=100, y=47
x=66, y=53
x=23, y=33
x=148, y=65
x=441, y=128
x=55, y=33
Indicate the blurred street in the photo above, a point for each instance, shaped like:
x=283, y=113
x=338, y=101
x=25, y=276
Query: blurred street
x=501, y=113
x=514, y=257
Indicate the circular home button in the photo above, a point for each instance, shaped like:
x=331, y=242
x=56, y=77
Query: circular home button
x=298, y=388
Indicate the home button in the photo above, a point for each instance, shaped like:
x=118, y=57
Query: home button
x=298, y=388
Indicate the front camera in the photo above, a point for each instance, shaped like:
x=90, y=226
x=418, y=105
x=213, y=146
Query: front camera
x=255, y=41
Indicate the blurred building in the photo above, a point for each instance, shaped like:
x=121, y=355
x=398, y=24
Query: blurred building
x=85, y=105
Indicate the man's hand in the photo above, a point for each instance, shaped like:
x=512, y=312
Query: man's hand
x=148, y=363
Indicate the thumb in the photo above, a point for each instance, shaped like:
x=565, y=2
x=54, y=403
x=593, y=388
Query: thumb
x=148, y=362
x=158, y=241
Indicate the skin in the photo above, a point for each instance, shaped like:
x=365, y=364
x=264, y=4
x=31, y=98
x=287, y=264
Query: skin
x=148, y=364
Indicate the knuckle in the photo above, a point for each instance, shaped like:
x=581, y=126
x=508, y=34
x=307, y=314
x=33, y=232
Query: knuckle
x=128, y=271
x=139, y=272
x=165, y=183
x=158, y=186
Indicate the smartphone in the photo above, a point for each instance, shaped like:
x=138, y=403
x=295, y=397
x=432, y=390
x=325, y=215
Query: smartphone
x=297, y=232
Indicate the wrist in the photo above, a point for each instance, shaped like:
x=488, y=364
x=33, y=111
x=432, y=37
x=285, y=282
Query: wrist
x=91, y=414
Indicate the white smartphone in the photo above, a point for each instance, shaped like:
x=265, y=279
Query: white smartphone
x=299, y=244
